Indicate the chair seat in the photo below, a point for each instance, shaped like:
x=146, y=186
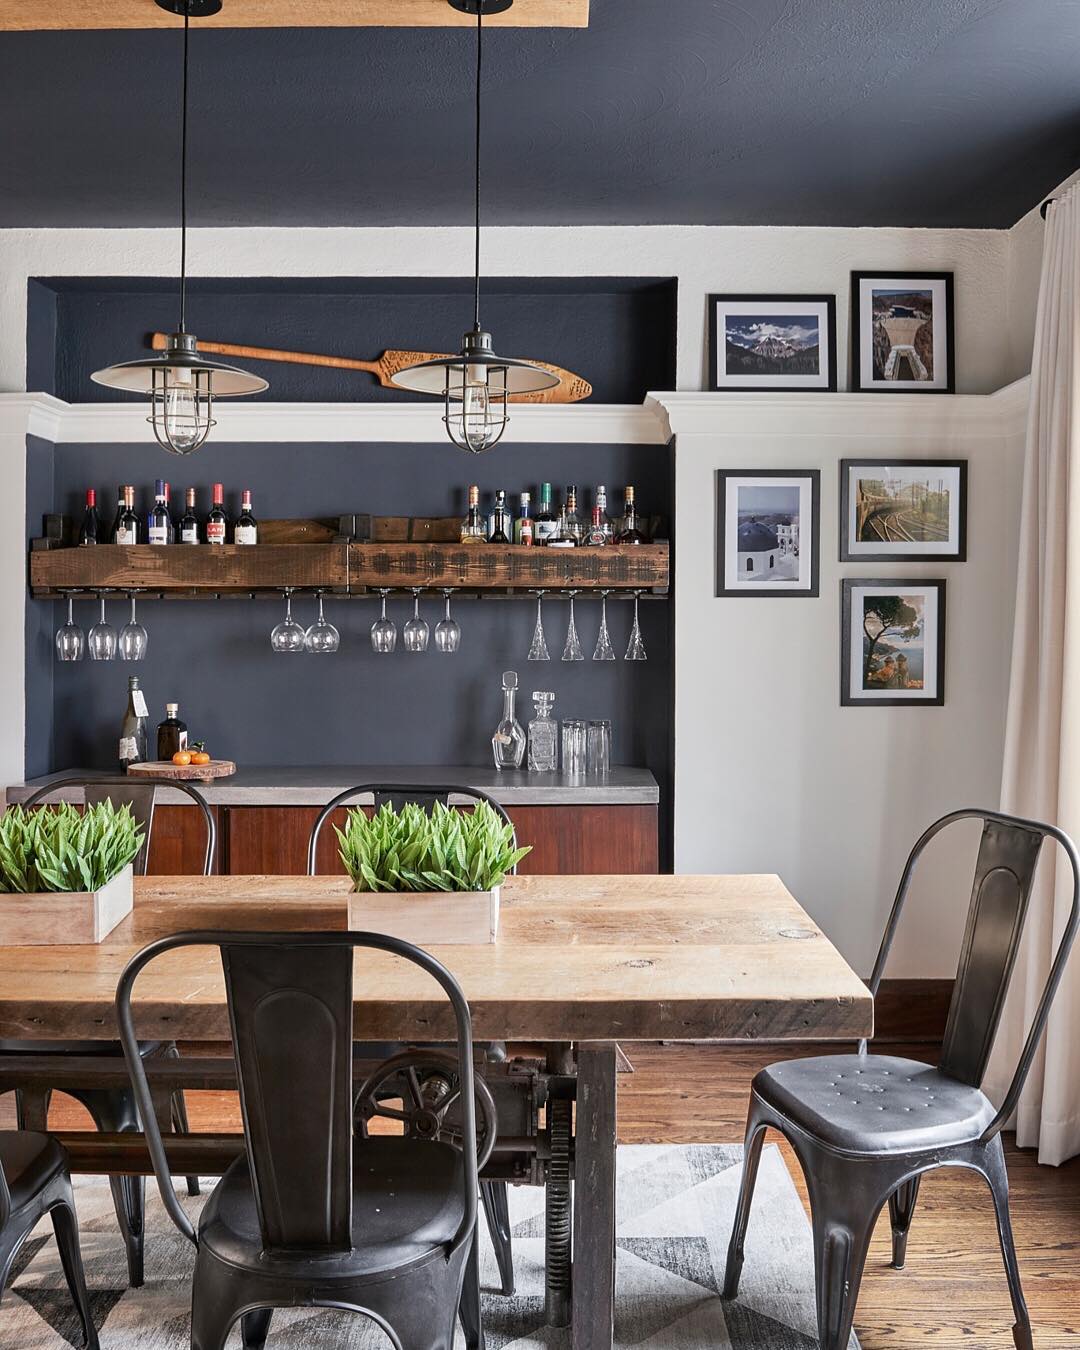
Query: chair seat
x=874, y=1104
x=408, y=1203
x=29, y=1161
x=101, y=1048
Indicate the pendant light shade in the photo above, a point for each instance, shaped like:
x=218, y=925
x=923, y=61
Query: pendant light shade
x=476, y=383
x=181, y=385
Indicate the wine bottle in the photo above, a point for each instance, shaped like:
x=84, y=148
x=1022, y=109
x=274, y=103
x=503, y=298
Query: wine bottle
x=217, y=521
x=158, y=520
x=172, y=734
x=189, y=521
x=501, y=521
x=545, y=523
x=127, y=529
x=629, y=532
x=473, y=530
x=133, y=727
x=171, y=526
x=88, y=534
x=119, y=514
x=247, y=529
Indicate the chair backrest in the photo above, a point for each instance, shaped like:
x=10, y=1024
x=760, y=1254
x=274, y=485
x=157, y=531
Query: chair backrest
x=397, y=795
x=1005, y=866
x=290, y=999
x=5, y=1200
x=140, y=794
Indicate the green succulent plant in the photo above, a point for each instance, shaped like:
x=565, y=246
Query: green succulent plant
x=409, y=850
x=57, y=848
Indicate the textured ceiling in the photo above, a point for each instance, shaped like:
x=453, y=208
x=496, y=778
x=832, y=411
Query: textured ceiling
x=787, y=112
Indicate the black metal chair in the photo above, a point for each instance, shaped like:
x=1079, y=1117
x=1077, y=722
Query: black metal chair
x=866, y=1127
x=112, y=1109
x=309, y=1215
x=34, y=1181
x=493, y=1194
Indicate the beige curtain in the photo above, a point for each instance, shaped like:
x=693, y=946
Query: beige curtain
x=1041, y=773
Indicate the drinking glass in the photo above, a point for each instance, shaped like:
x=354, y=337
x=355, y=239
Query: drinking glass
x=102, y=639
x=447, y=631
x=322, y=636
x=572, y=650
x=598, y=752
x=383, y=630
x=574, y=746
x=603, y=651
x=416, y=631
x=134, y=638
x=635, y=648
x=538, y=651
x=70, y=639
x=288, y=636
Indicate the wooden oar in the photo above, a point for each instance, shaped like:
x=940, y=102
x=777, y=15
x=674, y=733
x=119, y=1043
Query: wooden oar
x=570, y=389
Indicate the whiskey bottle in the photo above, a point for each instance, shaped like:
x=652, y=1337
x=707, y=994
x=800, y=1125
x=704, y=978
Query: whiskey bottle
x=127, y=527
x=473, y=528
x=172, y=734
x=189, y=521
x=629, y=533
x=571, y=530
x=88, y=533
x=133, y=727
x=247, y=529
x=546, y=523
x=217, y=521
x=500, y=524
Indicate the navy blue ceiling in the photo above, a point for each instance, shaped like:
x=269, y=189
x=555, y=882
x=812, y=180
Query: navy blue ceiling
x=791, y=112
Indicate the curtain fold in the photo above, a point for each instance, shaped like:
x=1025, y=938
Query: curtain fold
x=1041, y=770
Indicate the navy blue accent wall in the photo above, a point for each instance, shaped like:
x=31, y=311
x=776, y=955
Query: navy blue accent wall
x=40, y=619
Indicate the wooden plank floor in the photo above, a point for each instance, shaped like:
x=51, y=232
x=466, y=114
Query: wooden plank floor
x=952, y=1292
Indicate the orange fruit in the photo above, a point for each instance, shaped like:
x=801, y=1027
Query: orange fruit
x=182, y=757
x=200, y=757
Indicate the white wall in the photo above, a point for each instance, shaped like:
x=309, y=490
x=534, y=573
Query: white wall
x=1023, y=265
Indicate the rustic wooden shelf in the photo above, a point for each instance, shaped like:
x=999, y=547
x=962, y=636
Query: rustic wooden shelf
x=186, y=570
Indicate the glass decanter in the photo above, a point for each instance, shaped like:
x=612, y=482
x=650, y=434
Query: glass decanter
x=508, y=743
x=543, y=734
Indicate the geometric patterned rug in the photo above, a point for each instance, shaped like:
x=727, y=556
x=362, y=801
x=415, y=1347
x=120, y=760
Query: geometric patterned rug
x=675, y=1205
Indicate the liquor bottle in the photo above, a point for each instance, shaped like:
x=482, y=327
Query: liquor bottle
x=543, y=734
x=473, y=528
x=133, y=727
x=500, y=525
x=172, y=734
x=158, y=520
x=127, y=527
x=119, y=514
x=546, y=522
x=88, y=534
x=523, y=526
x=189, y=521
x=629, y=533
x=247, y=530
x=217, y=521
x=605, y=520
x=171, y=535
x=571, y=529
x=508, y=743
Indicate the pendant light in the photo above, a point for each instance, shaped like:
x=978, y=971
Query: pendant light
x=475, y=384
x=181, y=385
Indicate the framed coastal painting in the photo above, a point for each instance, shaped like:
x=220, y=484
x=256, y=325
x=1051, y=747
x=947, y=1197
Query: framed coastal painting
x=767, y=531
x=774, y=342
x=892, y=642
x=902, y=332
x=892, y=509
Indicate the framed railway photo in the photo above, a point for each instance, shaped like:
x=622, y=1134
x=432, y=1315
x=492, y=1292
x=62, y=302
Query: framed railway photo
x=892, y=642
x=899, y=509
x=902, y=333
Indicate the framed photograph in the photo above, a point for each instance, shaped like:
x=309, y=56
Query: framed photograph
x=777, y=342
x=892, y=642
x=767, y=531
x=903, y=508
x=902, y=332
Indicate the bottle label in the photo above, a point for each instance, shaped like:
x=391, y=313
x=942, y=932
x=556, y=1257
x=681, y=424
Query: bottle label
x=526, y=535
x=158, y=534
x=215, y=531
x=245, y=534
x=125, y=536
x=138, y=702
x=543, y=530
x=189, y=534
x=129, y=750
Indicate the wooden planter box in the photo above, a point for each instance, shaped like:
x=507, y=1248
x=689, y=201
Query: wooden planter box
x=428, y=918
x=65, y=918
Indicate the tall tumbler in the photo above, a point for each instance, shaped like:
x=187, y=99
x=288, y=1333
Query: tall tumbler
x=574, y=747
x=598, y=755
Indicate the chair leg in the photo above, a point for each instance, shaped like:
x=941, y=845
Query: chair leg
x=901, y=1212
x=844, y=1212
x=113, y=1111
x=998, y=1178
x=254, y=1327
x=496, y=1203
x=180, y=1116
x=66, y=1228
x=755, y=1137
x=469, y=1307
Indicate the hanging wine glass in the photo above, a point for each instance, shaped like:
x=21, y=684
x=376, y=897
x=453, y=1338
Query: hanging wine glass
x=102, y=639
x=635, y=648
x=538, y=651
x=383, y=630
x=603, y=651
x=134, y=638
x=447, y=631
x=416, y=631
x=70, y=639
x=572, y=648
x=322, y=636
x=288, y=635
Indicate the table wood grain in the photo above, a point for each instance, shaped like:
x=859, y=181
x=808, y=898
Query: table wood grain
x=578, y=959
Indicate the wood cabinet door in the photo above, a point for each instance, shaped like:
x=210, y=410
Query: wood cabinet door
x=587, y=840
x=273, y=840
x=178, y=842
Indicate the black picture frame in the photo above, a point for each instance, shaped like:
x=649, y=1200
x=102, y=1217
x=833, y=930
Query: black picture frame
x=886, y=386
x=846, y=554
x=847, y=586
x=723, y=477
x=775, y=301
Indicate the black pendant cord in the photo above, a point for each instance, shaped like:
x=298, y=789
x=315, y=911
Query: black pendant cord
x=479, y=69
x=183, y=175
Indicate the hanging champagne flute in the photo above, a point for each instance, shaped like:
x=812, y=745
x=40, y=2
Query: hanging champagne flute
x=603, y=651
x=635, y=648
x=538, y=651
x=572, y=649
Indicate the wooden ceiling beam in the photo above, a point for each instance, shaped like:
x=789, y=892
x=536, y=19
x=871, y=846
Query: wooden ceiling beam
x=18, y=15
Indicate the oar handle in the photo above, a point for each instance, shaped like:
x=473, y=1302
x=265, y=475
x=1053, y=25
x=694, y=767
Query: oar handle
x=158, y=342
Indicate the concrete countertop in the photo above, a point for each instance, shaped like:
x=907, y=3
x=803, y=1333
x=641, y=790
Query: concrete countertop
x=315, y=785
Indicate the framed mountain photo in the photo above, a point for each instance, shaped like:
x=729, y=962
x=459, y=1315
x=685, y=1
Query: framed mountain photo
x=774, y=342
x=902, y=333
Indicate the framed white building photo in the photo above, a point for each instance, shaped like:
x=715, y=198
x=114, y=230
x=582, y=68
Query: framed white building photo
x=767, y=532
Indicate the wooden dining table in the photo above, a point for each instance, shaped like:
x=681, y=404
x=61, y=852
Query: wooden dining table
x=582, y=966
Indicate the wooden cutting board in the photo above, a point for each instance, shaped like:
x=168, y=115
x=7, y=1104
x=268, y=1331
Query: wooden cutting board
x=217, y=768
